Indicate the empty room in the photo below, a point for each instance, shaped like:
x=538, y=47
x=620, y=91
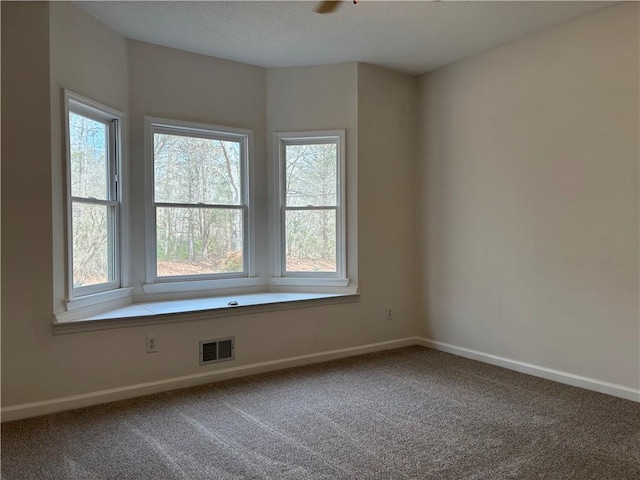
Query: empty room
x=320, y=240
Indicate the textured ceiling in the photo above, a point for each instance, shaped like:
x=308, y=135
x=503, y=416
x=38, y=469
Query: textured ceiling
x=413, y=36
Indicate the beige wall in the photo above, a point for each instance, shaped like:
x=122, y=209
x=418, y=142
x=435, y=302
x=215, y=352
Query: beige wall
x=529, y=199
x=512, y=229
x=387, y=141
x=157, y=81
x=26, y=197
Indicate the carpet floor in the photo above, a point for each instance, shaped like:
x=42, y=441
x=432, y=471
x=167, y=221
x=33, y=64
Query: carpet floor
x=411, y=413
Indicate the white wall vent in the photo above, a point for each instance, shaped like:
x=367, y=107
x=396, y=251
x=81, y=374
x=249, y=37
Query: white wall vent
x=218, y=350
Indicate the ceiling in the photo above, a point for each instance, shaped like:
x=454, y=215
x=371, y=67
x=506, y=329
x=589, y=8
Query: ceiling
x=409, y=36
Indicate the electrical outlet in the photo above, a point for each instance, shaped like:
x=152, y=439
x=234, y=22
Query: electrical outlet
x=152, y=344
x=389, y=313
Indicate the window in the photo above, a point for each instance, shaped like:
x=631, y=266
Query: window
x=200, y=227
x=94, y=200
x=311, y=214
x=199, y=219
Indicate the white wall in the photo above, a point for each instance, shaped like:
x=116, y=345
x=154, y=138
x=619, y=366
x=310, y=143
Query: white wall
x=529, y=199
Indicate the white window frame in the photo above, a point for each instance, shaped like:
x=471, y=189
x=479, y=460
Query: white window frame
x=320, y=279
x=185, y=283
x=114, y=119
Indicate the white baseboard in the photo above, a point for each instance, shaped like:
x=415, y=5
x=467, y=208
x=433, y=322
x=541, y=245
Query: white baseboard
x=548, y=373
x=27, y=410
x=33, y=409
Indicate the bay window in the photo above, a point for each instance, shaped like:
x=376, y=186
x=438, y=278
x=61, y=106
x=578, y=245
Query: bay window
x=199, y=221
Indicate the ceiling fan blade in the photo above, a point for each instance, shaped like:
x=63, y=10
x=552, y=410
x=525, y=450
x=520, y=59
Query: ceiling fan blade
x=327, y=6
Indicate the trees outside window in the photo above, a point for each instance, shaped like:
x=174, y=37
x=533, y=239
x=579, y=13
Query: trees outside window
x=200, y=206
x=93, y=196
x=311, y=204
x=199, y=223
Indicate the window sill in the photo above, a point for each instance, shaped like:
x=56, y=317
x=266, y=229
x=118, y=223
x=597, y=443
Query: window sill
x=110, y=296
x=169, y=311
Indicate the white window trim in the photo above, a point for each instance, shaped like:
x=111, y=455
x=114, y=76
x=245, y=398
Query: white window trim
x=195, y=283
x=92, y=294
x=202, y=285
x=119, y=296
x=310, y=282
x=320, y=290
x=311, y=279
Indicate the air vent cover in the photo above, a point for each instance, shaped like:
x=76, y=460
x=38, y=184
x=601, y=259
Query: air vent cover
x=218, y=350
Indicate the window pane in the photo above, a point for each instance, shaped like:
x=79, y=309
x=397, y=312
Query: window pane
x=92, y=245
x=310, y=240
x=196, y=170
x=194, y=241
x=311, y=175
x=89, y=166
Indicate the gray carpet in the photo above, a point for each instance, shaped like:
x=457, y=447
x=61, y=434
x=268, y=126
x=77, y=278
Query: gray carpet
x=411, y=413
